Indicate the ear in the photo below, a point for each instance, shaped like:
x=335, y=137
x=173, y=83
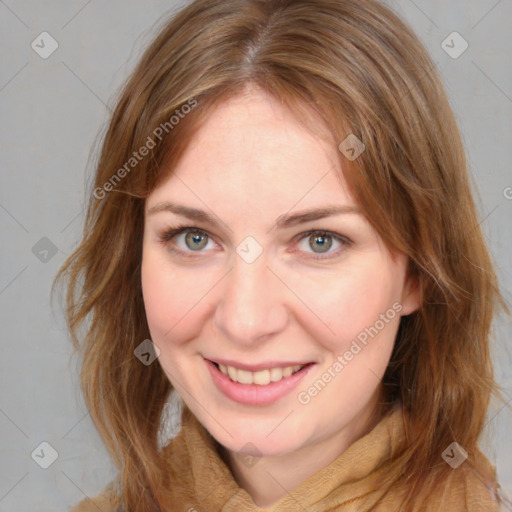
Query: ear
x=410, y=296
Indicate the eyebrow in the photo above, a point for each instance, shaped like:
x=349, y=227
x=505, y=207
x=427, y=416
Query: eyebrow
x=283, y=221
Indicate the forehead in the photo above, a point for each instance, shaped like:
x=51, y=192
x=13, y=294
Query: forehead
x=254, y=151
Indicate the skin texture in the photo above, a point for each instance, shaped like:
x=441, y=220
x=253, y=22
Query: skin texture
x=250, y=163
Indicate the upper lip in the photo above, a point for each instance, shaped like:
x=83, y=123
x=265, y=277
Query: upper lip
x=260, y=366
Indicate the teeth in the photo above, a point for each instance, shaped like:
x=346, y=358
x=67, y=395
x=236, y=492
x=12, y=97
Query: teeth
x=232, y=373
x=287, y=371
x=276, y=374
x=262, y=378
x=244, y=377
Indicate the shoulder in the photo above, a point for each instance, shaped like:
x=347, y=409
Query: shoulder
x=105, y=501
x=470, y=487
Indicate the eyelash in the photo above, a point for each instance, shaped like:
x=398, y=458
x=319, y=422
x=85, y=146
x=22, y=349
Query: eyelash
x=169, y=233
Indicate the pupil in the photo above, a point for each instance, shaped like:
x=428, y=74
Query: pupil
x=195, y=240
x=323, y=243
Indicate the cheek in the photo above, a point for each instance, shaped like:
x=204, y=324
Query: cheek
x=350, y=304
x=170, y=301
x=155, y=293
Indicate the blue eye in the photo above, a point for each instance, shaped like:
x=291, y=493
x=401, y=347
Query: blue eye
x=195, y=240
x=320, y=243
x=187, y=238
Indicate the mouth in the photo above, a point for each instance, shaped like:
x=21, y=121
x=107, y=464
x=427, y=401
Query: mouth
x=257, y=385
x=261, y=377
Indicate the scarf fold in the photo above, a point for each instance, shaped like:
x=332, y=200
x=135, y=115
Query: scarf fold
x=349, y=481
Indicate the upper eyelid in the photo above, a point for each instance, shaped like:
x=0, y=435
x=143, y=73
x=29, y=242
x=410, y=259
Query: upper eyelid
x=298, y=237
x=183, y=230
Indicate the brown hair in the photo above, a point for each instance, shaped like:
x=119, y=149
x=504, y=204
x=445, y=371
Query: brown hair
x=358, y=67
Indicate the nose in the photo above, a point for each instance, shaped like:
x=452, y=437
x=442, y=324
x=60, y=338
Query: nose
x=252, y=302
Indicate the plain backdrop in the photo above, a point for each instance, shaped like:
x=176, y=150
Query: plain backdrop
x=53, y=111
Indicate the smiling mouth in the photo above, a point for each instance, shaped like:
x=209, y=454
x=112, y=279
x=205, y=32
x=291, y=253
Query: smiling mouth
x=262, y=377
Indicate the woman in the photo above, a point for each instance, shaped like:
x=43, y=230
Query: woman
x=282, y=231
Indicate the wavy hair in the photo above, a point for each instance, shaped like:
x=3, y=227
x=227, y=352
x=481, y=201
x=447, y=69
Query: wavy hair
x=358, y=67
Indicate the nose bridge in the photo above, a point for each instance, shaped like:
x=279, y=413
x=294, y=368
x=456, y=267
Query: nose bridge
x=252, y=302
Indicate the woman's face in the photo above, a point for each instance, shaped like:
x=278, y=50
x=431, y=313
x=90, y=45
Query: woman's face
x=269, y=278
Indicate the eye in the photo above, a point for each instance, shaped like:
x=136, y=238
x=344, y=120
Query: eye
x=320, y=243
x=194, y=240
x=185, y=239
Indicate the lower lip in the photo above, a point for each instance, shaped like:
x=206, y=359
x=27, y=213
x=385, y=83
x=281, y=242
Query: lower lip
x=254, y=394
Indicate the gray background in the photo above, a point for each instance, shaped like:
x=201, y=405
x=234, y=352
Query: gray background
x=53, y=112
